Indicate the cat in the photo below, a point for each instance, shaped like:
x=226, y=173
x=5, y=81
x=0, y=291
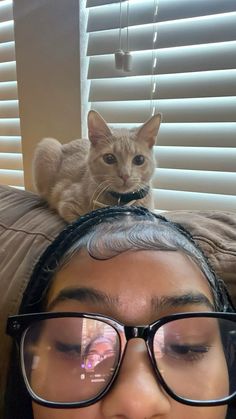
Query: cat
x=113, y=167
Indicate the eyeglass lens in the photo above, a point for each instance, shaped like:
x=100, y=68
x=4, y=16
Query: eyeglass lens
x=70, y=359
x=195, y=357
x=73, y=359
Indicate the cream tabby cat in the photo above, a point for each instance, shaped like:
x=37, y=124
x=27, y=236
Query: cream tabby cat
x=114, y=167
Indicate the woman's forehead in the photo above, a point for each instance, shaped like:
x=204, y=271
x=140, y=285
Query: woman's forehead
x=140, y=279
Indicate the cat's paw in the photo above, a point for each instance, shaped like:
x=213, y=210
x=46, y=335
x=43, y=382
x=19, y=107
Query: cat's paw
x=69, y=211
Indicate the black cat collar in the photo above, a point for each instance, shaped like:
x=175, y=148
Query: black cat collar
x=125, y=198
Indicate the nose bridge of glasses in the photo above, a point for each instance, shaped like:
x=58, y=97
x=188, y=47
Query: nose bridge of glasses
x=132, y=332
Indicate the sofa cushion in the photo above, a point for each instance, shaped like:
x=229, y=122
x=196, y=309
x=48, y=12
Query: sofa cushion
x=215, y=233
x=27, y=227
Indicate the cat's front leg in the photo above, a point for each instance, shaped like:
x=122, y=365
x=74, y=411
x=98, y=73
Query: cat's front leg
x=69, y=201
x=69, y=210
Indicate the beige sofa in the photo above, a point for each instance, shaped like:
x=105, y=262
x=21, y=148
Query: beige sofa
x=27, y=227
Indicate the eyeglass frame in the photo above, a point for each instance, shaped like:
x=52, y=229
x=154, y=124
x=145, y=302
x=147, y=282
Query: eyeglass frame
x=17, y=326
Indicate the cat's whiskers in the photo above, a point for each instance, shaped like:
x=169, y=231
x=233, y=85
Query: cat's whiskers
x=99, y=190
x=112, y=181
x=134, y=179
x=96, y=198
x=98, y=187
x=141, y=185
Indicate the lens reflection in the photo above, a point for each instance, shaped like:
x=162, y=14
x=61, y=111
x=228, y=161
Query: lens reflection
x=70, y=359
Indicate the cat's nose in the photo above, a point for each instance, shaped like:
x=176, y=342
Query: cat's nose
x=124, y=177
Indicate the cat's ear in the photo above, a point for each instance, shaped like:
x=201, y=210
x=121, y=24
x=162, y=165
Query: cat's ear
x=97, y=127
x=149, y=130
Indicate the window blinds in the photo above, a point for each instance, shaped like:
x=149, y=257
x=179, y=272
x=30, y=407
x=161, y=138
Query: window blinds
x=11, y=171
x=184, y=65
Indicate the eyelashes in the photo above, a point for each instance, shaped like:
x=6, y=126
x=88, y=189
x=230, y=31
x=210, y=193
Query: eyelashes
x=186, y=352
x=72, y=350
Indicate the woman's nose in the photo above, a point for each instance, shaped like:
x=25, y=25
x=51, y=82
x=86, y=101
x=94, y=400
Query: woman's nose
x=136, y=394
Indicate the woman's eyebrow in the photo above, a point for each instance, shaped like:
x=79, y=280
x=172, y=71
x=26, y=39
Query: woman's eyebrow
x=158, y=304
x=84, y=294
x=176, y=301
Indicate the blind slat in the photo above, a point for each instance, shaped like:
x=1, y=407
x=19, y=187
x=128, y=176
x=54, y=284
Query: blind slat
x=174, y=110
x=108, y=17
x=180, y=200
x=218, y=134
x=10, y=127
x=11, y=161
x=8, y=71
x=171, y=60
x=196, y=158
x=6, y=31
x=7, y=52
x=200, y=84
x=9, y=109
x=6, y=11
x=12, y=177
x=169, y=34
x=8, y=90
x=195, y=181
x=99, y=2
x=168, y=9
x=10, y=144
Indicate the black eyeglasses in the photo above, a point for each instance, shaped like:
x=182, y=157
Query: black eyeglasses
x=72, y=359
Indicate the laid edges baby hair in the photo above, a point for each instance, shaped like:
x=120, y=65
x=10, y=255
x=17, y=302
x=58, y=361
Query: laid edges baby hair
x=47, y=264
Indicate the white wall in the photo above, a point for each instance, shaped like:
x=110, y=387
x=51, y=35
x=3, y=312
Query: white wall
x=48, y=72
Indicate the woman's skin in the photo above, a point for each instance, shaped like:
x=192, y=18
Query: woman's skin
x=140, y=286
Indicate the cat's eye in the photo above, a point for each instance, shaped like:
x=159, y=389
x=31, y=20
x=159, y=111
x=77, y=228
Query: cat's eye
x=139, y=159
x=109, y=158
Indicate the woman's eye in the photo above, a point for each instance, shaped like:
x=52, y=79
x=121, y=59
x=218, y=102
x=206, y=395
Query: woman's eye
x=109, y=158
x=186, y=352
x=138, y=160
x=68, y=349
